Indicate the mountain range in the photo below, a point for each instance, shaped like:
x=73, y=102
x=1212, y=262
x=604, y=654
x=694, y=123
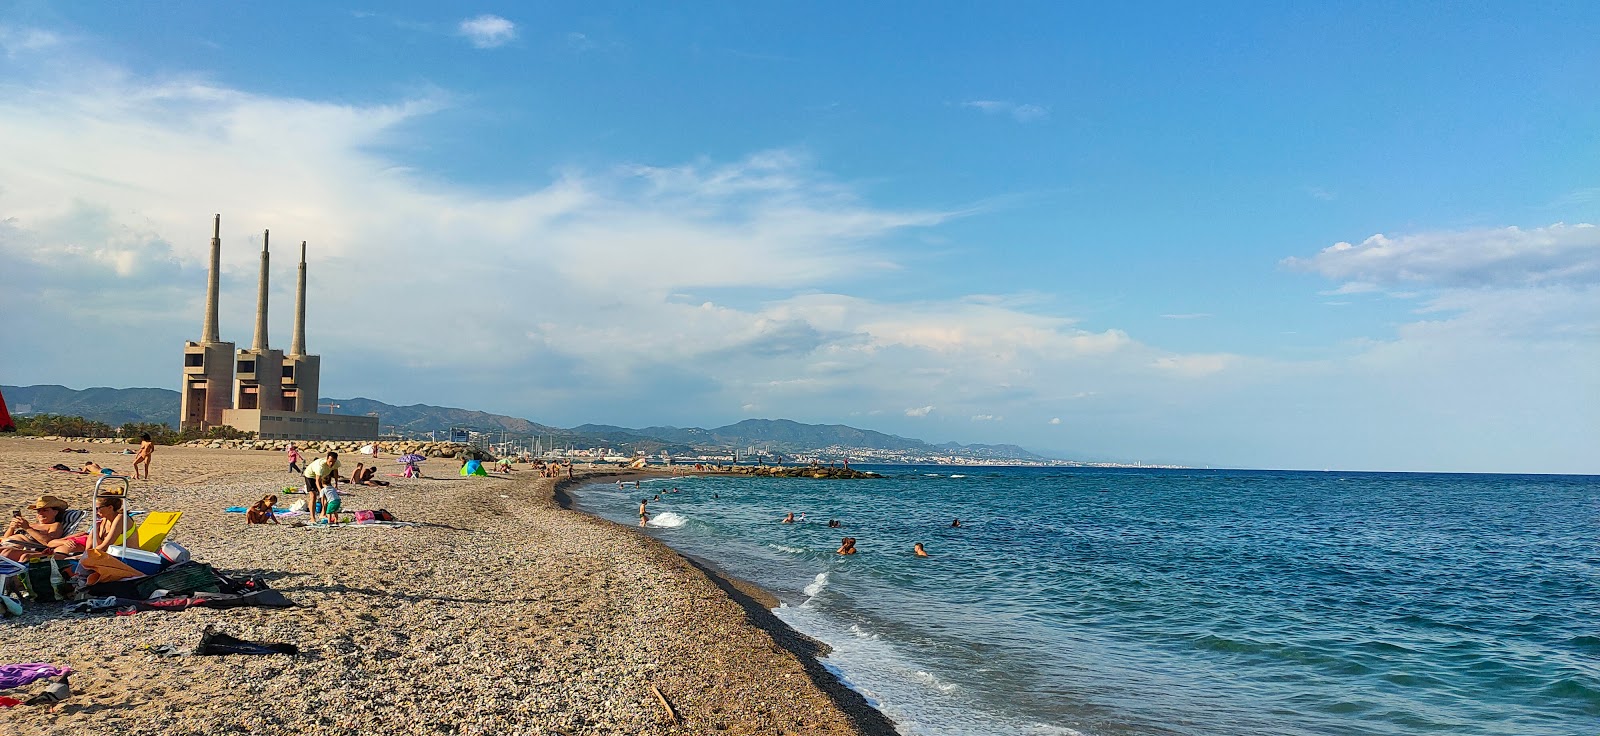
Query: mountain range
x=117, y=406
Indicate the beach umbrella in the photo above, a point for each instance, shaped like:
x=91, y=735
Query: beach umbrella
x=369, y=449
x=410, y=459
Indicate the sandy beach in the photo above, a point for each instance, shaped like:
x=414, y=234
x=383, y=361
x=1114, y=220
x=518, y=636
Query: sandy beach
x=500, y=613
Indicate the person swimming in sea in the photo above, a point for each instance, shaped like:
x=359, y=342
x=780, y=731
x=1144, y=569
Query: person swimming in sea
x=847, y=546
x=917, y=550
x=834, y=524
x=788, y=518
x=955, y=523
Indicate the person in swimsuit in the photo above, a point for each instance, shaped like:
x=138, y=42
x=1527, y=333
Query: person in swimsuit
x=644, y=516
x=262, y=512
x=147, y=447
x=917, y=550
x=788, y=518
x=847, y=546
x=24, y=539
x=955, y=523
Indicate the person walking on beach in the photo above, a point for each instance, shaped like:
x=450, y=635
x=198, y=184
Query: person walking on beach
x=147, y=447
x=294, y=458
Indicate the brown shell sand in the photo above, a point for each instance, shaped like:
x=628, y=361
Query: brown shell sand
x=503, y=614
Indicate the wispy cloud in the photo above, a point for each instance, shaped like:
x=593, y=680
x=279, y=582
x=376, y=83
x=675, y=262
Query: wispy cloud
x=1189, y=315
x=488, y=31
x=1322, y=194
x=17, y=41
x=1055, y=420
x=1022, y=113
x=1494, y=257
x=987, y=418
x=920, y=411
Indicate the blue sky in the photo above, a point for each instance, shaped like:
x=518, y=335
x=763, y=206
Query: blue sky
x=1254, y=235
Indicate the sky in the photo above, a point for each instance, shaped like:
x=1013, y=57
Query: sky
x=1360, y=237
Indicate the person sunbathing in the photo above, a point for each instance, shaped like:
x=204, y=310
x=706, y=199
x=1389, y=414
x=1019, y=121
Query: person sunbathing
x=363, y=476
x=111, y=525
x=262, y=512
x=24, y=539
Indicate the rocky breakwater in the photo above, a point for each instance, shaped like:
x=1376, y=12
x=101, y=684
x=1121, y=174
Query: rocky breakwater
x=425, y=449
x=779, y=471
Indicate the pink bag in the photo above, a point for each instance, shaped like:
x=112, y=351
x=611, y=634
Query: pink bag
x=365, y=517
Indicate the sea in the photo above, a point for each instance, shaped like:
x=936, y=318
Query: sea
x=1108, y=601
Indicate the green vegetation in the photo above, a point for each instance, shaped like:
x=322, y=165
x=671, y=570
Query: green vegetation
x=58, y=425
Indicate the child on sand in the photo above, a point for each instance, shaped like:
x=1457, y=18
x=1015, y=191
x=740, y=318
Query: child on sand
x=294, y=458
x=262, y=512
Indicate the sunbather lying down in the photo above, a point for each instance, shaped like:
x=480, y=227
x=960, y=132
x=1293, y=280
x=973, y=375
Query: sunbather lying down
x=363, y=476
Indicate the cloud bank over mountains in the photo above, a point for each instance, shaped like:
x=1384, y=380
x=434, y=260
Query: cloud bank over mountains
x=691, y=292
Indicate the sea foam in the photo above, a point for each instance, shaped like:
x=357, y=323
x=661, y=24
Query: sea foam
x=668, y=520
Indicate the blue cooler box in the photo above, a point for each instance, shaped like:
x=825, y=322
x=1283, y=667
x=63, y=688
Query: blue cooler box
x=148, y=563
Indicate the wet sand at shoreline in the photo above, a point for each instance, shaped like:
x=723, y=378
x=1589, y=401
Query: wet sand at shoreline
x=502, y=613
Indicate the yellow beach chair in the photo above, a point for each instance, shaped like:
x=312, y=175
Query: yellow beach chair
x=153, y=531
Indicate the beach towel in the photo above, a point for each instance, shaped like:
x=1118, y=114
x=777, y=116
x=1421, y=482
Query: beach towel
x=17, y=675
x=103, y=568
x=238, y=510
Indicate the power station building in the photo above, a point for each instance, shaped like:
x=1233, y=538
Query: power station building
x=259, y=390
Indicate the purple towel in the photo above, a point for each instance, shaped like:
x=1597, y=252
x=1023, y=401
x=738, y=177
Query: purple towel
x=17, y=675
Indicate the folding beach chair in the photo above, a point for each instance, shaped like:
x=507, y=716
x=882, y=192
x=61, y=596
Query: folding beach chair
x=153, y=531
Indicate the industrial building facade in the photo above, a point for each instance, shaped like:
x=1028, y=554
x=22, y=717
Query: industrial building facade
x=259, y=390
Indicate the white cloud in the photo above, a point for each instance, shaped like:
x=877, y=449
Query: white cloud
x=488, y=31
x=1195, y=365
x=1497, y=257
x=1022, y=113
x=1055, y=420
x=987, y=418
x=18, y=41
x=920, y=411
x=1192, y=315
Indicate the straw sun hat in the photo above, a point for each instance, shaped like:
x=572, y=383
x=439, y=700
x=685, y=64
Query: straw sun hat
x=47, y=502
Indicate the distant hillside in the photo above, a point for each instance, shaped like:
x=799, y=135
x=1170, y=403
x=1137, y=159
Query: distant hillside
x=116, y=406
x=425, y=418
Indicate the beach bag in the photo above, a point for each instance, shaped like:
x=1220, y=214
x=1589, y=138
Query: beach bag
x=50, y=580
x=365, y=517
x=103, y=568
x=382, y=515
x=181, y=579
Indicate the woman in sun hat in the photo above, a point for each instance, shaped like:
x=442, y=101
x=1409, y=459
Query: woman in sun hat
x=24, y=538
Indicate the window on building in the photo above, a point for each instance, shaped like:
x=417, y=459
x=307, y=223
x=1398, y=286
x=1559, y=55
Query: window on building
x=247, y=366
x=288, y=371
x=194, y=360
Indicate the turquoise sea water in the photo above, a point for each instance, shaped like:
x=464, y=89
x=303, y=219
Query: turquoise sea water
x=1117, y=602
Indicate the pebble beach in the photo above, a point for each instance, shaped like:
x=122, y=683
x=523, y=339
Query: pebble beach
x=500, y=612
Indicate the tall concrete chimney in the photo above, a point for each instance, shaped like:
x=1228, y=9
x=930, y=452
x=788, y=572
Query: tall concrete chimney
x=261, y=298
x=209, y=332
x=298, y=345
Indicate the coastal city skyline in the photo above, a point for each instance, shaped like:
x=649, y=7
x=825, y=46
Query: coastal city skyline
x=1248, y=236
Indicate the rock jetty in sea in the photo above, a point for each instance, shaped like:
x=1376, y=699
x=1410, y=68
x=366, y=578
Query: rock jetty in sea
x=780, y=471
